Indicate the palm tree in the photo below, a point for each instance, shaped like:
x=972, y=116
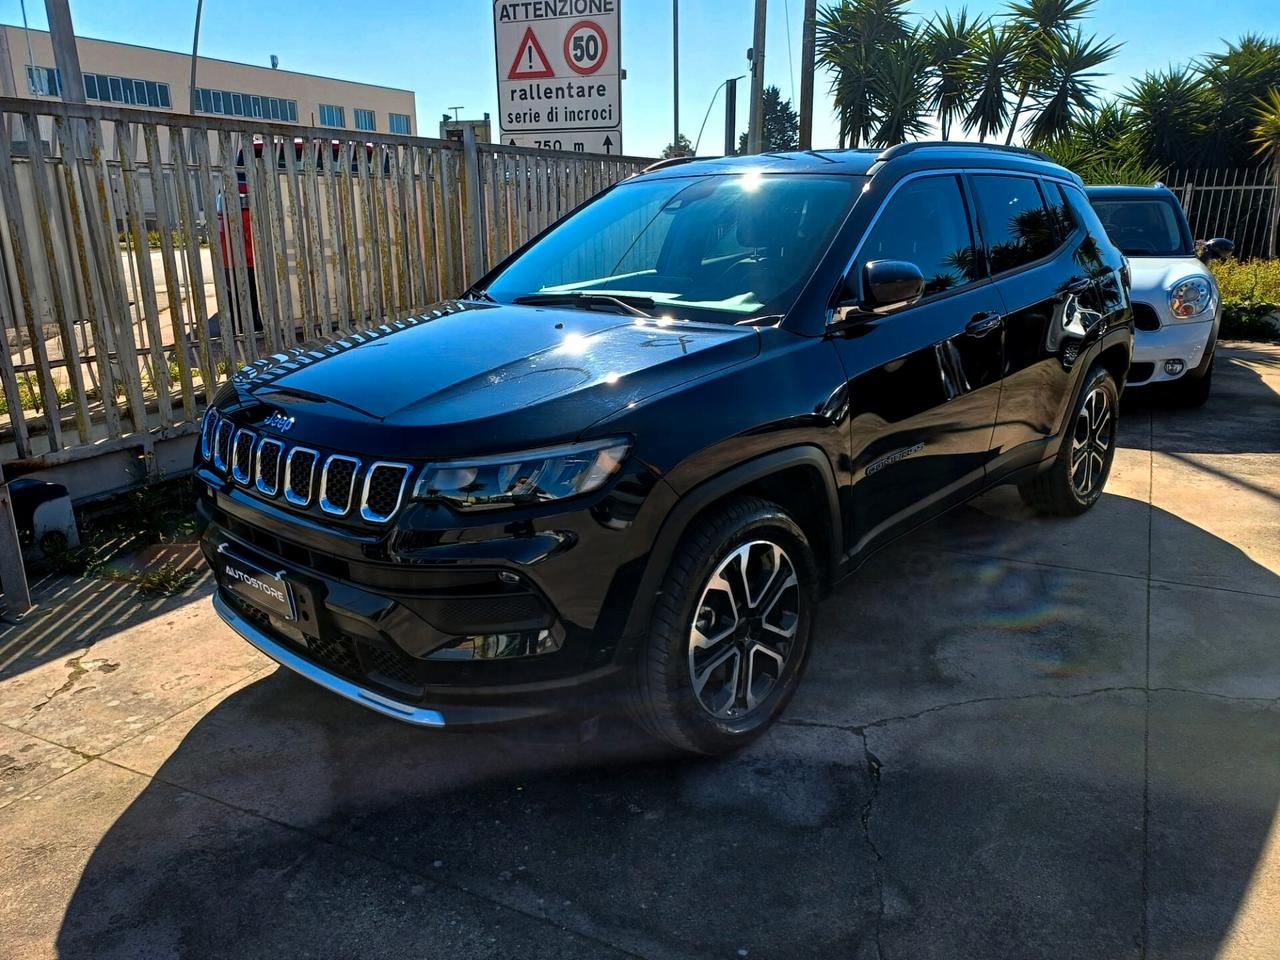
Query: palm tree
x=1245, y=72
x=851, y=36
x=1038, y=26
x=1168, y=110
x=993, y=54
x=950, y=41
x=1068, y=88
x=1266, y=140
x=900, y=90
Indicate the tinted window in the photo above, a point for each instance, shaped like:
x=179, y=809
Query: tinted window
x=925, y=223
x=1141, y=228
x=1016, y=225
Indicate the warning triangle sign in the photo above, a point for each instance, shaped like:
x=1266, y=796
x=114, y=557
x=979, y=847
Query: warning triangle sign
x=531, y=61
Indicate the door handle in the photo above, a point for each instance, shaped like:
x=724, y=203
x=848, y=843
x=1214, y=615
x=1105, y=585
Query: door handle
x=982, y=324
x=1076, y=287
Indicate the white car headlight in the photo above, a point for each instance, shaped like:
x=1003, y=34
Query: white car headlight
x=532, y=476
x=1190, y=297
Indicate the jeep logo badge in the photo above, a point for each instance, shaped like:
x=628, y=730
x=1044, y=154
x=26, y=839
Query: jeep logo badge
x=279, y=422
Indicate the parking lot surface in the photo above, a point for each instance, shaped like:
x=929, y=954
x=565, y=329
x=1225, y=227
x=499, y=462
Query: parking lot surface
x=1017, y=737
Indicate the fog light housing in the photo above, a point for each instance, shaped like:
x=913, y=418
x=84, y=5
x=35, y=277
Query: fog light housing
x=1173, y=367
x=500, y=646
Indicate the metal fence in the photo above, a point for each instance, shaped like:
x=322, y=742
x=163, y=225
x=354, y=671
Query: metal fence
x=1238, y=204
x=146, y=256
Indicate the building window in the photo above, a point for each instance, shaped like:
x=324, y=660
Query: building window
x=44, y=81
x=108, y=89
x=399, y=123
x=331, y=116
x=365, y=120
x=234, y=104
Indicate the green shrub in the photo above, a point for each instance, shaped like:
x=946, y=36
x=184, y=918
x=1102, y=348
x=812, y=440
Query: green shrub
x=1250, y=296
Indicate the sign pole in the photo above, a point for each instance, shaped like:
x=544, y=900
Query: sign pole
x=807, y=67
x=675, y=71
x=755, y=132
x=731, y=117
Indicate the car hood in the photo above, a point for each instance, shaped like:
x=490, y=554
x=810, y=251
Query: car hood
x=483, y=377
x=1153, y=276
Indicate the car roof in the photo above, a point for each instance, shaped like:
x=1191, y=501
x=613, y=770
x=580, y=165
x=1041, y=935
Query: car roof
x=866, y=161
x=1129, y=191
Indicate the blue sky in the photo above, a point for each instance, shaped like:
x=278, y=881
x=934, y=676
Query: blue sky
x=443, y=50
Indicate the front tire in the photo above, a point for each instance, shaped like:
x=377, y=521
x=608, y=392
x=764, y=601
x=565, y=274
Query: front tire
x=730, y=631
x=1075, y=481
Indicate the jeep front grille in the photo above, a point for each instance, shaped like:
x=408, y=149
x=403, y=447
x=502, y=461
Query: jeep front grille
x=304, y=478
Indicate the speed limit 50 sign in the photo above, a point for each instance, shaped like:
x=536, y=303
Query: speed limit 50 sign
x=558, y=75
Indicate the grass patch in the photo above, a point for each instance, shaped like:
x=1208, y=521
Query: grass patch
x=114, y=530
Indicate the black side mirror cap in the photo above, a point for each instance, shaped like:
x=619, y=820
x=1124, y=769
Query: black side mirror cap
x=1219, y=248
x=891, y=284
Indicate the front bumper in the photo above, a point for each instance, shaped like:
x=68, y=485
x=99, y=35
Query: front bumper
x=1190, y=342
x=379, y=633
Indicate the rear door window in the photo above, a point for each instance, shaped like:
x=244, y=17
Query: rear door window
x=1017, y=227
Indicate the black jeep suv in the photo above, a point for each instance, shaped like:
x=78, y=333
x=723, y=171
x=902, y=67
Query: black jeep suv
x=625, y=465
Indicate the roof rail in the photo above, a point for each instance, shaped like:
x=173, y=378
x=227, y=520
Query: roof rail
x=901, y=149
x=672, y=162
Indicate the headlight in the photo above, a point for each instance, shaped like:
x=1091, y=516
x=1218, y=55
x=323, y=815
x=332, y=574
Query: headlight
x=1190, y=297
x=533, y=476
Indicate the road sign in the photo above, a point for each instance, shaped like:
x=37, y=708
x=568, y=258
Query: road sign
x=559, y=76
x=578, y=141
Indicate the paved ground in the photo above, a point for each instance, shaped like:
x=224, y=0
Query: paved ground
x=1018, y=738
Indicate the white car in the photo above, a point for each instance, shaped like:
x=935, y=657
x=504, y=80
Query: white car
x=1176, y=305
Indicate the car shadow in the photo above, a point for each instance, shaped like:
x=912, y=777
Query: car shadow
x=974, y=767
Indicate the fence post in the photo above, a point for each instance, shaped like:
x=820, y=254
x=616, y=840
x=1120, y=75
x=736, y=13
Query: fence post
x=474, y=236
x=13, y=577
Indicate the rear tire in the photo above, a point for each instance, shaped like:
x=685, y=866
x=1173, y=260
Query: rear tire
x=730, y=631
x=1079, y=473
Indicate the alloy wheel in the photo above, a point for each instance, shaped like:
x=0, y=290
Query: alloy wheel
x=744, y=628
x=1091, y=443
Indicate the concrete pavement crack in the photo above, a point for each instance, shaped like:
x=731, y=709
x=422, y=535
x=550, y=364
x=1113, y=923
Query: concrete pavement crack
x=877, y=861
x=1017, y=698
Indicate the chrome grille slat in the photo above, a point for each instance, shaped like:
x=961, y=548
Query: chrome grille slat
x=222, y=443
x=242, y=456
x=300, y=460
x=332, y=481
x=266, y=466
x=208, y=433
x=384, y=484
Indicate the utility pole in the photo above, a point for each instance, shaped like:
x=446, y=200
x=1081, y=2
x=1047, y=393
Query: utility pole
x=755, y=131
x=807, y=67
x=675, y=71
x=731, y=117
x=65, y=57
x=195, y=51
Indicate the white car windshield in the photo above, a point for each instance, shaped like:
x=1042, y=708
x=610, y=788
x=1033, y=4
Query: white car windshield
x=724, y=248
x=1142, y=228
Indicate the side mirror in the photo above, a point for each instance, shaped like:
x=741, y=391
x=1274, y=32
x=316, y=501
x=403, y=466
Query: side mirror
x=1218, y=248
x=890, y=284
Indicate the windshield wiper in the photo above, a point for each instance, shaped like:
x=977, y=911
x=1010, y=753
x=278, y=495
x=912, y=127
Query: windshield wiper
x=626, y=303
x=478, y=293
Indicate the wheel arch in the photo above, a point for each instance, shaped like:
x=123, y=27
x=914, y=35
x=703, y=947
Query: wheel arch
x=799, y=479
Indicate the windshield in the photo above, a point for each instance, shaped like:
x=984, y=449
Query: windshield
x=1143, y=228
x=722, y=248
